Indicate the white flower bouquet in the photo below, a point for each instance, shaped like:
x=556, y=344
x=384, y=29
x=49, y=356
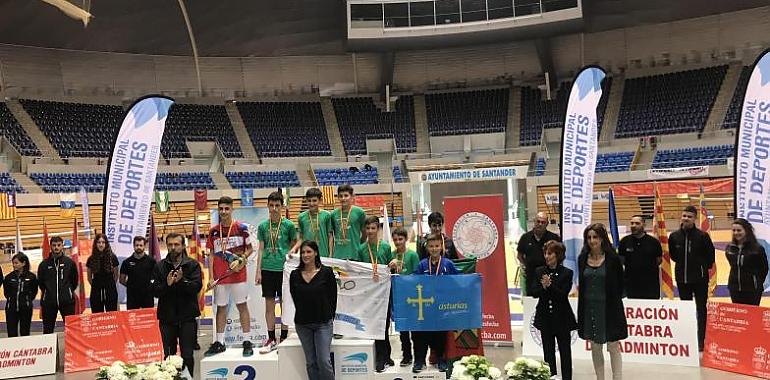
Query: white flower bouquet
x=527, y=369
x=168, y=369
x=475, y=367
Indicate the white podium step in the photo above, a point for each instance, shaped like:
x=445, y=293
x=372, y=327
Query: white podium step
x=405, y=373
x=353, y=359
x=232, y=365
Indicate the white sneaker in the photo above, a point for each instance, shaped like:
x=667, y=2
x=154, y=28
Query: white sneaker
x=268, y=346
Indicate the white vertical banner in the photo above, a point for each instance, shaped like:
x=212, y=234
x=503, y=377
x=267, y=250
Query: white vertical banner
x=86, y=212
x=752, y=155
x=579, y=148
x=128, y=193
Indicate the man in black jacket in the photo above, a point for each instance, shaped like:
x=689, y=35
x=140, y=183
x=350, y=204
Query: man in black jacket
x=58, y=279
x=529, y=251
x=176, y=282
x=693, y=252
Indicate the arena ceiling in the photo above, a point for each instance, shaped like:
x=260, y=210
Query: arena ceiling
x=266, y=27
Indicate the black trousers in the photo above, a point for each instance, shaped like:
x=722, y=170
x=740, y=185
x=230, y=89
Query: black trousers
x=382, y=347
x=436, y=340
x=183, y=334
x=104, y=299
x=747, y=298
x=406, y=345
x=563, y=339
x=18, y=321
x=138, y=300
x=50, y=312
x=700, y=291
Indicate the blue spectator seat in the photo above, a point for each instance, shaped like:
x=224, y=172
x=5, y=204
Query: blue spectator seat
x=359, y=118
x=286, y=129
x=467, y=112
x=260, y=180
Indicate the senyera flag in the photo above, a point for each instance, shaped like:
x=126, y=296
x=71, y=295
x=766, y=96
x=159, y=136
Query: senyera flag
x=752, y=154
x=579, y=146
x=131, y=173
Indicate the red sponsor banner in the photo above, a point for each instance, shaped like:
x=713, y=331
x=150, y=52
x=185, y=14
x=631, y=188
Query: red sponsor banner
x=749, y=355
x=724, y=185
x=95, y=340
x=475, y=224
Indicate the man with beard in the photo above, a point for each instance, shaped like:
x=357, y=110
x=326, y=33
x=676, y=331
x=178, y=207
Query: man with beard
x=135, y=274
x=642, y=255
x=58, y=279
x=176, y=282
x=530, y=250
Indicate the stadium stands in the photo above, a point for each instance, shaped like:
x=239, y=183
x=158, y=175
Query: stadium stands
x=540, y=168
x=538, y=113
x=69, y=182
x=286, y=129
x=94, y=182
x=682, y=157
x=9, y=185
x=614, y=162
x=352, y=175
x=198, y=123
x=733, y=114
x=184, y=181
x=13, y=132
x=259, y=180
x=399, y=177
x=671, y=103
x=467, y=112
x=359, y=118
x=74, y=129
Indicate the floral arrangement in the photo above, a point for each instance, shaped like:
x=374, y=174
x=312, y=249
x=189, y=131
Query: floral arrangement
x=168, y=369
x=527, y=369
x=475, y=367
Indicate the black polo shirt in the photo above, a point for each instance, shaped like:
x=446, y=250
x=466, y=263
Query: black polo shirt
x=641, y=266
x=139, y=272
x=532, y=250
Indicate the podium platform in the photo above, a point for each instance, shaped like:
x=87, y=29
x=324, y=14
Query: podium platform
x=405, y=373
x=353, y=359
x=231, y=365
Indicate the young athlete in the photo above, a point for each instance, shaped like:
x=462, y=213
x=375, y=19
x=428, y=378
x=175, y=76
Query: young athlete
x=315, y=224
x=376, y=251
x=405, y=262
x=348, y=222
x=230, y=249
x=276, y=237
x=433, y=265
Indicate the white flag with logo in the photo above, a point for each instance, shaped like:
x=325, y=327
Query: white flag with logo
x=362, y=303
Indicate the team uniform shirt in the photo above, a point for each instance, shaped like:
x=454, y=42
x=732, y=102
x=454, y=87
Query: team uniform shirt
x=445, y=266
x=347, y=232
x=316, y=228
x=278, y=238
x=407, y=262
x=227, y=244
x=379, y=251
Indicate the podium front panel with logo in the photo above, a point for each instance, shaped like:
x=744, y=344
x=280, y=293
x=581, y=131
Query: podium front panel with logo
x=353, y=359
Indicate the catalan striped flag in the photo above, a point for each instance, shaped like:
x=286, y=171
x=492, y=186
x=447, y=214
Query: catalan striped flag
x=328, y=196
x=667, y=279
x=7, y=206
x=197, y=253
x=705, y=226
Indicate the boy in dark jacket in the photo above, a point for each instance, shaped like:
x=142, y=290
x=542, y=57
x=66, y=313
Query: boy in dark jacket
x=58, y=279
x=176, y=282
x=693, y=252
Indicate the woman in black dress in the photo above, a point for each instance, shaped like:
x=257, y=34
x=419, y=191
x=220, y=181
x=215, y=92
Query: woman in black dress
x=553, y=315
x=601, y=317
x=748, y=264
